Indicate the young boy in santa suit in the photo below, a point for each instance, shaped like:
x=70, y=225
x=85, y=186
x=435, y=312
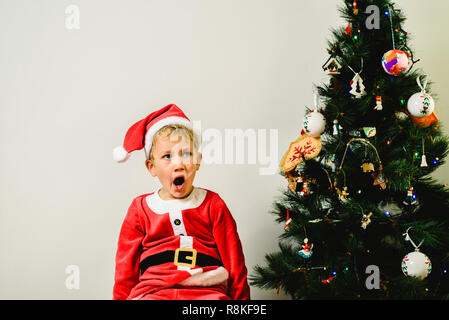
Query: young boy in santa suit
x=181, y=241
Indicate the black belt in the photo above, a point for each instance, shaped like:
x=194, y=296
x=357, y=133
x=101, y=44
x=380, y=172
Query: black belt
x=187, y=257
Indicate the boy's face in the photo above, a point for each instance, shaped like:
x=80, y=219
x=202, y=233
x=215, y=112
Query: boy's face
x=174, y=164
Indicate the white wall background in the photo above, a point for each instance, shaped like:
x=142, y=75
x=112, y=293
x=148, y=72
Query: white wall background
x=68, y=96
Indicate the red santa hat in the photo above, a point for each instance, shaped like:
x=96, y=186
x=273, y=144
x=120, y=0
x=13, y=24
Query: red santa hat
x=140, y=135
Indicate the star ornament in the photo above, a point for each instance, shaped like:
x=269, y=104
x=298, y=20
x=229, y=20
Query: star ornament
x=366, y=220
x=342, y=194
x=380, y=180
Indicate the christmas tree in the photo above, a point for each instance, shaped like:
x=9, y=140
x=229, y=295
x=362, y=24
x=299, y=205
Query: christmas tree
x=363, y=218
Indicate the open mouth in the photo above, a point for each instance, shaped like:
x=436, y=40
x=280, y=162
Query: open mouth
x=179, y=181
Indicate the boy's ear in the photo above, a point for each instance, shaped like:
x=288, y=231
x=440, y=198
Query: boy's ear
x=198, y=160
x=150, y=166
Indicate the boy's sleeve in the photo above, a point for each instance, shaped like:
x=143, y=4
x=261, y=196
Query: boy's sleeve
x=231, y=252
x=128, y=253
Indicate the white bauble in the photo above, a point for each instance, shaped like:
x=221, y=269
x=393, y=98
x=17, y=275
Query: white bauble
x=420, y=105
x=416, y=264
x=314, y=123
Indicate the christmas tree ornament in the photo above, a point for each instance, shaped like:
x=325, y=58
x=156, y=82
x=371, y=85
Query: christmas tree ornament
x=354, y=133
x=426, y=121
x=314, y=123
x=336, y=128
x=400, y=115
x=378, y=103
x=348, y=29
x=369, y=131
x=416, y=264
x=410, y=199
x=292, y=182
x=366, y=220
x=395, y=62
x=379, y=179
x=357, y=87
x=278, y=288
x=367, y=166
x=331, y=66
x=305, y=189
x=305, y=147
x=288, y=220
x=421, y=104
x=331, y=162
x=328, y=280
x=423, y=157
x=342, y=194
x=306, y=251
x=354, y=7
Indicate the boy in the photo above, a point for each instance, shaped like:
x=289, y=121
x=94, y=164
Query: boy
x=181, y=241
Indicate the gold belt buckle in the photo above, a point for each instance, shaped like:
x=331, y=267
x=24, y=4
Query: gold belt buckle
x=192, y=258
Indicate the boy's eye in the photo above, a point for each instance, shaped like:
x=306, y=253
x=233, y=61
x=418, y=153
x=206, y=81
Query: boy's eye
x=166, y=156
x=186, y=154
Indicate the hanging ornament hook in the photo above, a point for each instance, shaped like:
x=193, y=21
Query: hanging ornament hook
x=361, y=67
x=391, y=26
x=315, y=97
x=407, y=238
x=423, y=87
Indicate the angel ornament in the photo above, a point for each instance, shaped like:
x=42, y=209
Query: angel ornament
x=306, y=251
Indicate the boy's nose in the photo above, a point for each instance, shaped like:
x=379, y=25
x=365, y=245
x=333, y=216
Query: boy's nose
x=177, y=162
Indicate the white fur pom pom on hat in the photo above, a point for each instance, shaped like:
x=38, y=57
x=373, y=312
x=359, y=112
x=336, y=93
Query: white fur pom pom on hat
x=119, y=154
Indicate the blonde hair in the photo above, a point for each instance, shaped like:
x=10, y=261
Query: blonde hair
x=170, y=129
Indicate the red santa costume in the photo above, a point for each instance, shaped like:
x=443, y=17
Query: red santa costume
x=182, y=249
